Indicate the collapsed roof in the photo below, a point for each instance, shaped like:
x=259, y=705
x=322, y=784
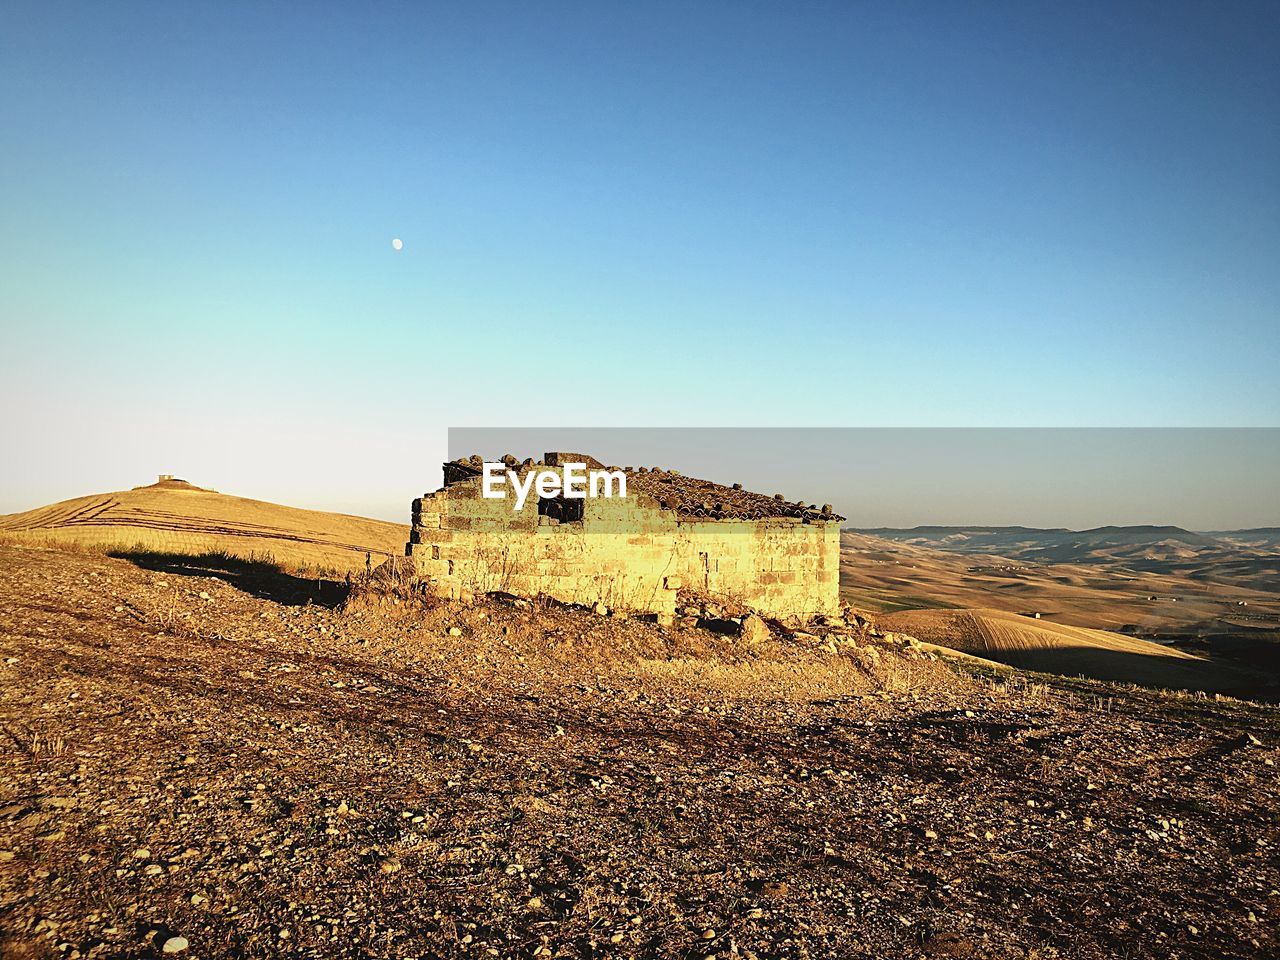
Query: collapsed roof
x=689, y=497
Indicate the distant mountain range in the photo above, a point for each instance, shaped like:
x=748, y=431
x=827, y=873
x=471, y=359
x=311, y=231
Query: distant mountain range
x=979, y=539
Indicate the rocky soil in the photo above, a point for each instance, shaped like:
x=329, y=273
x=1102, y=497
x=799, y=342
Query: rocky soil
x=215, y=762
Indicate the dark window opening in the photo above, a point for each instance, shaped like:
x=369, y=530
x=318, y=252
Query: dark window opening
x=562, y=509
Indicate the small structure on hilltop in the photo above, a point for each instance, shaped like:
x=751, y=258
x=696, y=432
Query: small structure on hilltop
x=632, y=553
x=167, y=481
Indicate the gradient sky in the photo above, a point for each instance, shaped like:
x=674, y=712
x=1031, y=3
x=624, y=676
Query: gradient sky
x=737, y=214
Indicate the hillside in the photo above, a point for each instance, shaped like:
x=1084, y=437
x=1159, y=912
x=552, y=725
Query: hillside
x=173, y=516
x=1226, y=591
x=190, y=763
x=1034, y=644
x=1056, y=544
x=1242, y=558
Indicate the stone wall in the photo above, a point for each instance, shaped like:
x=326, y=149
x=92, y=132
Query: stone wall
x=782, y=566
x=626, y=553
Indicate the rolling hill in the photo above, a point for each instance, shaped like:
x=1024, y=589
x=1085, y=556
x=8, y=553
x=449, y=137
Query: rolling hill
x=1239, y=558
x=1223, y=607
x=1052, y=545
x=173, y=516
x=883, y=576
x=1119, y=578
x=1057, y=648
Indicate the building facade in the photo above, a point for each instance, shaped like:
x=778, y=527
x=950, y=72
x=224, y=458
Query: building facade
x=633, y=554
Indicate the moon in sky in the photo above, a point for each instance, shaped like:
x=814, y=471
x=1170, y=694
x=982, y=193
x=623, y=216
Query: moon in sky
x=397, y=243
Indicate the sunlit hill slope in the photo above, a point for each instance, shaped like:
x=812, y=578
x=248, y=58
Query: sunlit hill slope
x=1057, y=648
x=173, y=516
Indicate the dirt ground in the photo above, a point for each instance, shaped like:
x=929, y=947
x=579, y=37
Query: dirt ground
x=225, y=763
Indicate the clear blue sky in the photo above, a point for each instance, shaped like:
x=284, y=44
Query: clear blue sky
x=691, y=213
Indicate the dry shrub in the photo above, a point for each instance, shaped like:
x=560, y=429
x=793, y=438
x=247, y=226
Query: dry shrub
x=392, y=584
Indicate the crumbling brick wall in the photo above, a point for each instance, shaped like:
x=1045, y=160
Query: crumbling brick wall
x=620, y=554
x=629, y=554
x=780, y=566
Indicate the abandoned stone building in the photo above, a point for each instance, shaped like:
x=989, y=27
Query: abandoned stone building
x=632, y=554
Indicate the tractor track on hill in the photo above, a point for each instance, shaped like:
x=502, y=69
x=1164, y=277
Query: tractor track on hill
x=58, y=515
x=143, y=522
x=170, y=519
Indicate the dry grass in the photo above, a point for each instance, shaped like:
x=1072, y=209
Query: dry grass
x=172, y=518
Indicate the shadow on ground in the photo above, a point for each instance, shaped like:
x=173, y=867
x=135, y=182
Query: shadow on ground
x=1145, y=670
x=261, y=579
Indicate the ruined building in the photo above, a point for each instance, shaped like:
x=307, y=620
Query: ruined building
x=631, y=554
